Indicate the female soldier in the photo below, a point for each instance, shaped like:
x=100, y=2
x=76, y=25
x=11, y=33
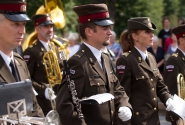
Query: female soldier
x=141, y=79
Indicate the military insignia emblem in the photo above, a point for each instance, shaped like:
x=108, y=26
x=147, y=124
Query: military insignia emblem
x=107, y=15
x=89, y=20
x=139, y=58
x=175, y=54
x=183, y=35
x=121, y=67
x=126, y=54
x=48, y=18
x=149, y=25
x=23, y=8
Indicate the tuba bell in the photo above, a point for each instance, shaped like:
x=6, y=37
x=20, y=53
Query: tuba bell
x=56, y=11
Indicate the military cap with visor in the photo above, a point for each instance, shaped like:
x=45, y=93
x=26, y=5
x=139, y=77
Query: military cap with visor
x=179, y=31
x=140, y=23
x=42, y=19
x=14, y=10
x=96, y=13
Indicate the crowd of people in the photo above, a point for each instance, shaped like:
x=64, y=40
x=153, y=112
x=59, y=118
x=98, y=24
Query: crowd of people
x=137, y=70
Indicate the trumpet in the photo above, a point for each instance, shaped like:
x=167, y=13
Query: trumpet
x=52, y=118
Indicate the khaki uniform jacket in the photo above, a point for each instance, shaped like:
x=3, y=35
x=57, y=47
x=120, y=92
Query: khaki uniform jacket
x=173, y=66
x=6, y=76
x=143, y=84
x=89, y=80
x=33, y=56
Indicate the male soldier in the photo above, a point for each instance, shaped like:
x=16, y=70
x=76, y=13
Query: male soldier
x=13, y=68
x=175, y=65
x=33, y=56
x=93, y=74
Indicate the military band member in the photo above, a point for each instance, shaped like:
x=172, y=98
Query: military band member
x=13, y=68
x=175, y=65
x=89, y=78
x=33, y=56
x=138, y=73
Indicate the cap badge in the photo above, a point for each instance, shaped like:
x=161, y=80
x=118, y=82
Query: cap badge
x=89, y=20
x=48, y=18
x=23, y=8
x=107, y=15
x=149, y=25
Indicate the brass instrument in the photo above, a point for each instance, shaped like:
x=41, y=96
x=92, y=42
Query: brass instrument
x=55, y=8
x=181, y=86
x=181, y=91
x=52, y=69
x=52, y=118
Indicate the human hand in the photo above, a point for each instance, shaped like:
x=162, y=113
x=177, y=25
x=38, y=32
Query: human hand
x=170, y=105
x=49, y=94
x=125, y=113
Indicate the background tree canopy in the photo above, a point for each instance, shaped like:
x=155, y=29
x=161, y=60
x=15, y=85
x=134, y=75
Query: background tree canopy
x=120, y=11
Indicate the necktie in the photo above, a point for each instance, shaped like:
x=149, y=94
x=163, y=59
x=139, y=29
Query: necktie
x=14, y=71
x=147, y=61
x=103, y=65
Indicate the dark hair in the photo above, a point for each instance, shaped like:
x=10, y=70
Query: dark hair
x=126, y=40
x=83, y=26
x=183, y=21
x=165, y=18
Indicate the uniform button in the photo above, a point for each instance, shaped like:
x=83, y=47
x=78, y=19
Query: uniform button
x=152, y=80
x=154, y=98
x=143, y=77
x=112, y=112
x=111, y=101
x=98, y=84
x=155, y=109
x=152, y=89
x=82, y=50
x=137, y=113
x=74, y=113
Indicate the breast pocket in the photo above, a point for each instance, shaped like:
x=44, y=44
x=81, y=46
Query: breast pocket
x=97, y=84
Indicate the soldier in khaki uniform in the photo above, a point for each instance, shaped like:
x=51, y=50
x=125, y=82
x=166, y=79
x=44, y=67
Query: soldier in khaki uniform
x=141, y=79
x=175, y=65
x=12, y=66
x=33, y=56
x=89, y=78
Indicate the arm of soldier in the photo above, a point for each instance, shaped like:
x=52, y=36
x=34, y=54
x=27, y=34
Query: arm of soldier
x=30, y=59
x=64, y=104
x=37, y=111
x=123, y=73
x=171, y=71
x=162, y=90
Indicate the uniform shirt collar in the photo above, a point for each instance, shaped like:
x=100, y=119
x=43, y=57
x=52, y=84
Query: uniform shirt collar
x=45, y=44
x=182, y=51
x=95, y=51
x=144, y=55
x=7, y=59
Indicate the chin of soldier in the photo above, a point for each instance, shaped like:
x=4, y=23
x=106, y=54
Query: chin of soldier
x=105, y=43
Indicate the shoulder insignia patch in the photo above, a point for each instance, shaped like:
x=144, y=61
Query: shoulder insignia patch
x=175, y=54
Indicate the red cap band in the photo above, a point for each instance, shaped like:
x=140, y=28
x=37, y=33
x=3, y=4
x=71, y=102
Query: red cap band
x=88, y=18
x=41, y=20
x=13, y=7
x=180, y=35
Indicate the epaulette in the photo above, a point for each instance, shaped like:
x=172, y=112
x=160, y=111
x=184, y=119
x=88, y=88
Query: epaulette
x=126, y=53
x=30, y=46
x=175, y=54
x=79, y=53
x=18, y=56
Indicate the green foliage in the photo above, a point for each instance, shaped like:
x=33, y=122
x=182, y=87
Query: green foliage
x=33, y=5
x=137, y=8
x=120, y=12
x=171, y=9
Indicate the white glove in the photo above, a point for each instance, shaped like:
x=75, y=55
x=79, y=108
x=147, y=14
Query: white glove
x=170, y=105
x=49, y=94
x=125, y=113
